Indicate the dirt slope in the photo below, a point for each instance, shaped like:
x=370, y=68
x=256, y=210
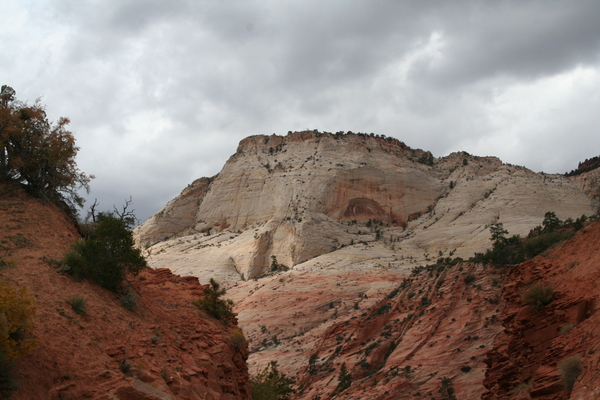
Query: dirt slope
x=527, y=355
x=173, y=352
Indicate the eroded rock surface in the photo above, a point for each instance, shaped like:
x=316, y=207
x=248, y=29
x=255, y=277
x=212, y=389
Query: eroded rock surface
x=307, y=194
x=527, y=355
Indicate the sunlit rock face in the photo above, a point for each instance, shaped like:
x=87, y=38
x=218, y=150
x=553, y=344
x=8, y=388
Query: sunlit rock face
x=309, y=193
x=176, y=217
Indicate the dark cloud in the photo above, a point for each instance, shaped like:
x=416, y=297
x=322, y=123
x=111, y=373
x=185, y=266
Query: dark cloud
x=160, y=93
x=526, y=40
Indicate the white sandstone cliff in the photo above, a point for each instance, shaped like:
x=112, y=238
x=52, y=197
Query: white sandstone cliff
x=308, y=194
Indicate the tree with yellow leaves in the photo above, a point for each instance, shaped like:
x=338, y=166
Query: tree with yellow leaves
x=36, y=153
x=16, y=314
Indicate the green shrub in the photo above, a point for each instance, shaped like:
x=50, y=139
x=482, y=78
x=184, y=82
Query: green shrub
x=570, y=369
x=155, y=339
x=514, y=250
x=521, y=388
x=566, y=328
x=538, y=296
x=344, y=378
x=129, y=301
x=270, y=384
x=213, y=303
x=126, y=367
x=538, y=244
x=447, y=389
x=311, y=363
x=384, y=309
x=106, y=254
x=469, y=278
x=78, y=304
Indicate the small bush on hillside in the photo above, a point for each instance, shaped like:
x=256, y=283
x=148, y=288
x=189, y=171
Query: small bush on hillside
x=447, y=389
x=276, y=267
x=126, y=367
x=270, y=384
x=129, y=301
x=312, y=363
x=344, y=378
x=570, y=369
x=521, y=388
x=238, y=339
x=16, y=314
x=213, y=303
x=535, y=245
x=78, y=304
x=566, y=328
x=538, y=296
x=106, y=254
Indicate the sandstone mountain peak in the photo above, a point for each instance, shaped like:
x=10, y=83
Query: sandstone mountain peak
x=309, y=193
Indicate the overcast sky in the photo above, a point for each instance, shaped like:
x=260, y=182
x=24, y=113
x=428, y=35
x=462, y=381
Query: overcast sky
x=159, y=93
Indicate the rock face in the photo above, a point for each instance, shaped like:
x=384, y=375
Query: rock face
x=314, y=234
x=165, y=349
x=527, y=356
x=396, y=344
x=177, y=216
x=294, y=197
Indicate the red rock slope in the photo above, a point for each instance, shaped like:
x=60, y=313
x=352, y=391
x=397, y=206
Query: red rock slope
x=173, y=352
x=438, y=325
x=527, y=355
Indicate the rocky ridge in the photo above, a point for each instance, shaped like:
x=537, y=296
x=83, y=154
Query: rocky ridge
x=312, y=232
x=309, y=193
x=163, y=350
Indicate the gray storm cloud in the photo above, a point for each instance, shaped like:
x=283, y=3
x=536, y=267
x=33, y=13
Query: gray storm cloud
x=159, y=93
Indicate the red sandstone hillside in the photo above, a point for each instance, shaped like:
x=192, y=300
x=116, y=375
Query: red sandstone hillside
x=528, y=352
x=479, y=335
x=174, y=352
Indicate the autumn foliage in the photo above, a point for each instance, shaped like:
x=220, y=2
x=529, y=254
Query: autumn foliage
x=36, y=153
x=16, y=313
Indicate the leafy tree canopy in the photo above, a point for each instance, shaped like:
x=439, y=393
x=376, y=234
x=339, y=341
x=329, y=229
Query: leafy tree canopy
x=37, y=153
